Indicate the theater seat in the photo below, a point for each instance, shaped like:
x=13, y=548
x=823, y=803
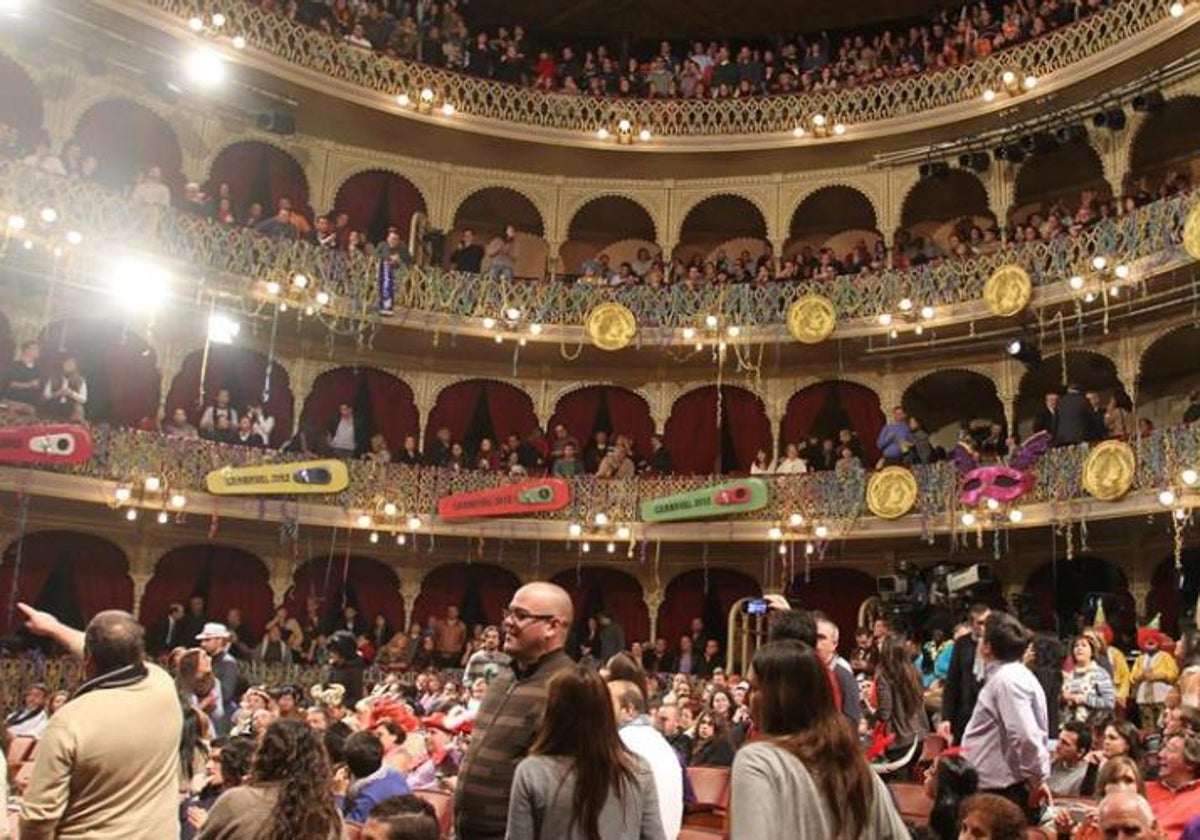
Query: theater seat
x=443, y=804
x=692, y=833
x=912, y=803
x=711, y=786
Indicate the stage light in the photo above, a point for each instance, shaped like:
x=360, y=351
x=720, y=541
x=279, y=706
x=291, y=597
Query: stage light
x=933, y=169
x=178, y=501
x=49, y=215
x=205, y=67
x=1151, y=100
x=414, y=522
x=1112, y=118
x=1166, y=498
x=131, y=514
x=363, y=521
x=153, y=484
x=1073, y=133
x=975, y=161
x=222, y=329
x=1190, y=476
x=574, y=529
x=1014, y=347
x=74, y=237
x=163, y=517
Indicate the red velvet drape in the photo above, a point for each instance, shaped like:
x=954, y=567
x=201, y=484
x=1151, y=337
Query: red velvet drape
x=259, y=172
x=377, y=199
x=631, y=416
x=243, y=372
x=866, y=417
x=628, y=414
x=859, y=403
x=578, y=411
x=120, y=368
x=393, y=408
x=837, y=592
x=448, y=585
x=803, y=409
x=686, y=599
x=126, y=139
x=225, y=576
x=99, y=571
x=509, y=409
x=22, y=102
x=619, y=593
x=694, y=439
x=368, y=583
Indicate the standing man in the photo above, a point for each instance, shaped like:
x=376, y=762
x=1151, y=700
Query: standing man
x=1007, y=738
x=896, y=438
x=843, y=675
x=107, y=766
x=611, y=637
x=215, y=639
x=536, y=623
x=489, y=662
x=964, y=678
x=164, y=633
x=450, y=639
x=23, y=384
x=192, y=624
x=642, y=739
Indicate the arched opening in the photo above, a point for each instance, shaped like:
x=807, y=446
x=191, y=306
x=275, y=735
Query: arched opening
x=128, y=139
x=489, y=210
x=379, y=199
x=608, y=408
x=824, y=409
x=837, y=592
x=382, y=404
x=367, y=584
x=1064, y=176
x=594, y=589
x=942, y=209
x=1166, y=143
x=711, y=431
x=478, y=409
x=244, y=373
x=70, y=574
x=706, y=594
x=224, y=576
x=947, y=399
x=721, y=228
x=1067, y=592
x=119, y=366
x=1174, y=590
x=1169, y=375
x=481, y=591
x=612, y=225
x=1090, y=371
x=259, y=173
x=838, y=218
x=22, y=101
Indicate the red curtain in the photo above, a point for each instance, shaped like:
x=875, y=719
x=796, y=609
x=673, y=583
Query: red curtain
x=631, y=416
x=120, y=368
x=243, y=372
x=259, y=172
x=225, y=576
x=449, y=586
x=22, y=102
x=99, y=571
x=748, y=425
x=593, y=588
x=377, y=199
x=367, y=583
x=578, y=411
x=126, y=139
x=686, y=599
x=628, y=414
x=803, y=409
x=861, y=405
x=509, y=409
x=694, y=439
x=837, y=592
x=393, y=408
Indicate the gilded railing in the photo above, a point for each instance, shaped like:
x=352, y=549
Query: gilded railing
x=490, y=100
x=240, y=260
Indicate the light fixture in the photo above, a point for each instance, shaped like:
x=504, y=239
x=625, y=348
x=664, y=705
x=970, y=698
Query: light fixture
x=1167, y=498
x=624, y=126
x=374, y=537
x=122, y=494
x=782, y=549
x=1099, y=262
x=734, y=331
x=1181, y=514
x=178, y=501
x=426, y=95
x=153, y=484
x=205, y=67
x=74, y=237
x=968, y=519
x=1030, y=82
x=323, y=298
x=300, y=281
x=906, y=304
x=1190, y=476
x=993, y=504
x=927, y=312
x=49, y=215
x=989, y=95
x=644, y=135
x=623, y=532
x=775, y=533
x=499, y=339
x=363, y=521
x=163, y=517
x=1121, y=271
x=1076, y=282
x=389, y=509
x=885, y=319
x=535, y=329
x=403, y=101
x=139, y=284
x=131, y=514
x=414, y=522
x=447, y=109
x=273, y=288
x=512, y=313
x=401, y=539
x=222, y=329
x=16, y=222
x=574, y=529
x=1016, y=515
x=1014, y=347
x=809, y=548
x=489, y=323
x=821, y=532
x=819, y=120
x=711, y=321
x=611, y=548
x=1089, y=298
x=586, y=547
x=689, y=333
x=1175, y=10
x=602, y=133
x=796, y=520
x=798, y=131
x=218, y=20
x=195, y=23
x=601, y=519
x=239, y=43
x=839, y=129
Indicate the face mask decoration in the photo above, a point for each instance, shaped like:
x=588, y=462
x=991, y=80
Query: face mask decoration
x=1000, y=483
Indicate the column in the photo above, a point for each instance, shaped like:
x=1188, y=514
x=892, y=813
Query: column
x=777, y=246
x=410, y=588
x=653, y=599
x=140, y=581
x=281, y=579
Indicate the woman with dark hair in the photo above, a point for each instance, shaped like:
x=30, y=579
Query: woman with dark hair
x=711, y=746
x=806, y=778
x=899, y=699
x=948, y=781
x=228, y=763
x=986, y=816
x=287, y=796
x=346, y=666
x=579, y=781
x=1088, y=694
x=622, y=666
x=1044, y=658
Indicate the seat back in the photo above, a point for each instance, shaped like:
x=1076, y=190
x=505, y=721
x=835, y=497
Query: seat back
x=443, y=806
x=912, y=803
x=711, y=785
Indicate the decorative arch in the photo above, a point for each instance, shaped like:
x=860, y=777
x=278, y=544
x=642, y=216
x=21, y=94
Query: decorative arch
x=23, y=108
x=244, y=372
x=828, y=211
x=1064, y=589
x=481, y=591
x=837, y=591
x=477, y=408
x=1062, y=174
x=226, y=577
x=825, y=408
x=72, y=574
x=712, y=219
x=489, y=209
x=120, y=367
x=707, y=594
x=944, y=399
x=1168, y=373
x=384, y=401
x=1092, y=371
x=592, y=408
x=954, y=195
x=1165, y=142
x=713, y=430
x=258, y=171
x=1173, y=591
x=605, y=219
x=127, y=138
x=376, y=199
x=367, y=584
x=595, y=588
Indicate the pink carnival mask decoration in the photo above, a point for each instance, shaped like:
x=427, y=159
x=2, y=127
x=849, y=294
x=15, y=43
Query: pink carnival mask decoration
x=1004, y=483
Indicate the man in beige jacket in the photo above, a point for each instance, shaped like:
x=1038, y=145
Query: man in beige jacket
x=107, y=766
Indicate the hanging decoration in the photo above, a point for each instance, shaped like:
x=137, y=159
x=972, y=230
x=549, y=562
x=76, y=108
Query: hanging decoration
x=992, y=491
x=55, y=443
x=1007, y=291
x=324, y=476
x=611, y=326
x=892, y=492
x=742, y=496
x=545, y=494
x=811, y=319
x=1109, y=470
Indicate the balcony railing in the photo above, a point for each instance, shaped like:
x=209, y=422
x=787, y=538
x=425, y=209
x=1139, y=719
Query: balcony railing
x=242, y=261
x=677, y=118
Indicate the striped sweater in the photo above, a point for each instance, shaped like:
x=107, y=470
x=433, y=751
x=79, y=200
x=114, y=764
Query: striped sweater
x=505, y=728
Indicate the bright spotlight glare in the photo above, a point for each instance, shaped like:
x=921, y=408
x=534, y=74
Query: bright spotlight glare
x=139, y=284
x=205, y=67
x=222, y=329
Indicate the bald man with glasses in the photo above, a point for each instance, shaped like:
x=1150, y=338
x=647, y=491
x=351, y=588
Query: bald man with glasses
x=536, y=623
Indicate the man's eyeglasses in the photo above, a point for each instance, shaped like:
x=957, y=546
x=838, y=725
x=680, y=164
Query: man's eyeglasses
x=520, y=615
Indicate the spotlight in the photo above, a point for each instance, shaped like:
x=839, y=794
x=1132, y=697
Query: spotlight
x=933, y=169
x=163, y=517
x=1151, y=100
x=205, y=67
x=1011, y=152
x=1039, y=142
x=1112, y=118
x=1025, y=352
x=222, y=329
x=1014, y=347
x=139, y=284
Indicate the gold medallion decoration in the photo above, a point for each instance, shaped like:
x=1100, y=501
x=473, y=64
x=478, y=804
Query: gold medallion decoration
x=891, y=492
x=611, y=326
x=1191, y=233
x=1109, y=469
x=811, y=319
x=1007, y=291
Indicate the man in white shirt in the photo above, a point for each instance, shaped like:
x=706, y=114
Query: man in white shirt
x=151, y=189
x=642, y=739
x=32, y=719
x=342, y=438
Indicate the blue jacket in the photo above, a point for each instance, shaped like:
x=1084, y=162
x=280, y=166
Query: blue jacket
x=891, y=440
x=365, y=793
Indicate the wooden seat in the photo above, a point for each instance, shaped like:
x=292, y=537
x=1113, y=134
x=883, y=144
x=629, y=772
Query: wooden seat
x=21, y=749
x=912, y=803
x=443, y=806
x=711, y=786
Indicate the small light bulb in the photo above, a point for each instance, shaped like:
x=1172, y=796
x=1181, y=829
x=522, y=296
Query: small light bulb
x=623, y=532
x=885, y=319
x=163, y=517
x=689, y=333
x=16, y=222
x=218, y=20
x=27, y=244
x=796, y=520
x=300, y=281
x=699, y=346
x=989, y=95
x=1008, y=77
x=273, y=288
x=363, y=521
x=893, y=333
x=1190, y=476
x=1180, y=514
x=49, y=215
x=195, y=23
x=1076, y=282
x=401, y=539
x=74, y=237
x=611, y=548
x=602, y=133
x=426, y=95
x=711, y=321
x=782, y=549
x=178, y=500
x=1166, y=498
x=403, y=101
x=374, y=537
x=389, y=509
x=774, y=533
x=448, y=110
x=821, y=532
x=535, y=329
x=927, y=312
x=239, y=43
x=586, y=547
x=993, y=504
x=414, y=522
x=1121, y=271
x=819, y=120
x=122, y=494
x=153, y=483
x=499, y=339
x=644, y=135
x=1089, y=298
x=574, y=529
x=512, y=313
x=1175, y=9
x=839, y=129
x=906, y=304
x=968, y=519
x=1016, y=515
x=131, y=514
x=1114, y=291
x=489, y=323
x=323, y=298
x=809, y=548
x=1099, y=263
x=734, y=331
x=601, y=519
x=624, y=126
x=1030, y=82
x=798, y=131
